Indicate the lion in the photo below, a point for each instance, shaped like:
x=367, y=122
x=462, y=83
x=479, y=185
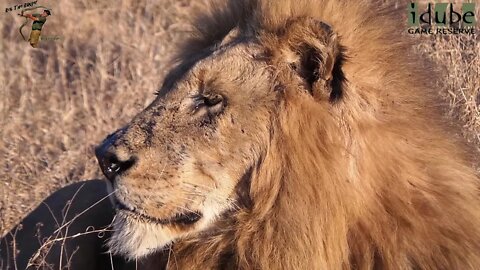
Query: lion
x=296, y=134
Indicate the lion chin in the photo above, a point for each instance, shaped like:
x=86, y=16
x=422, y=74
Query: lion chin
x=135, y=239
x=137, y=235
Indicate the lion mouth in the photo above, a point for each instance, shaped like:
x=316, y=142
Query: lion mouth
x=181, y=218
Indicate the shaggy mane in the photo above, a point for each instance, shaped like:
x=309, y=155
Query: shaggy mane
x=374, y=181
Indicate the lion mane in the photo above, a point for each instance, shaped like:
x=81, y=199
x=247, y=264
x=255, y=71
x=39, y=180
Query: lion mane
x=376, y=182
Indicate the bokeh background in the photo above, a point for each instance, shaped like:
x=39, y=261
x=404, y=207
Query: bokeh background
x=59, y=100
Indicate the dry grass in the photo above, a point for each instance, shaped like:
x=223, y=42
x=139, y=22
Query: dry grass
x=58, y=101
x=460, y=57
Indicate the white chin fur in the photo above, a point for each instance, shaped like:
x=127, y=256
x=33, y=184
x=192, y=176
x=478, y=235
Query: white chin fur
x=135, y=239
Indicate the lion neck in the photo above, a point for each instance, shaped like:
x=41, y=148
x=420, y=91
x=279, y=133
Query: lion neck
x=299, y=211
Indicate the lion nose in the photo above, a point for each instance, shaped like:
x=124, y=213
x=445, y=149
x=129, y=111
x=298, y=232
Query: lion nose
x=109, y=161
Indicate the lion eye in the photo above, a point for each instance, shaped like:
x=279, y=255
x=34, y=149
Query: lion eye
x=210, y=104
x=212, y=100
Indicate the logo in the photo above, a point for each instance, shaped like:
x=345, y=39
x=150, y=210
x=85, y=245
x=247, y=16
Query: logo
x=441, y=18
x=38, y=16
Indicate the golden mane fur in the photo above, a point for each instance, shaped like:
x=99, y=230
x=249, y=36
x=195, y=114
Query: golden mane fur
x=376, y=182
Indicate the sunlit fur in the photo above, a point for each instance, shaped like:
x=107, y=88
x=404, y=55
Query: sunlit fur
x=373, y=180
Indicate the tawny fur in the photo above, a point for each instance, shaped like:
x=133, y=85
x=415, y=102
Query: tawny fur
x=374, y=180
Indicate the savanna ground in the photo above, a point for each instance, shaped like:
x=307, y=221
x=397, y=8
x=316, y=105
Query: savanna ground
x=61, y=99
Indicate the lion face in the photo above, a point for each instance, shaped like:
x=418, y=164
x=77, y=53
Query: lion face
x=176, y=166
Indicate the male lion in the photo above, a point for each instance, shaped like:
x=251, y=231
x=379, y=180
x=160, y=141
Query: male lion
x=296, y=135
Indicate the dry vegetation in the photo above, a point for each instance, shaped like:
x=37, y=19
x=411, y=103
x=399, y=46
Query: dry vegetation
x=459, y=56
x=58, y=101
x=61, y=99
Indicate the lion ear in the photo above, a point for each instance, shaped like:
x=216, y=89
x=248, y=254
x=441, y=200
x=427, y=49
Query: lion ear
x=318, y=58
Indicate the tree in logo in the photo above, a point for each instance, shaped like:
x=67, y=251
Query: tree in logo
x=39, y=20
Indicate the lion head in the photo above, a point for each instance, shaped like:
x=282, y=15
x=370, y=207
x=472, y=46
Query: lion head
x=293, y=131
x=176, y=166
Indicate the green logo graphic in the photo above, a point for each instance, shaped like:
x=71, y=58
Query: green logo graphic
x=39, y=19
x=37, y=15
x=441, y=18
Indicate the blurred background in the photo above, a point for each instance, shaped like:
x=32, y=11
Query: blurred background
x=59, y=100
